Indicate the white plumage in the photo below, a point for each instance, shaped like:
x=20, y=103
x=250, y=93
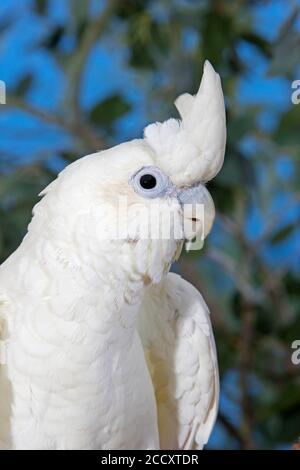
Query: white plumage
x=176, y=332
x=101, y=347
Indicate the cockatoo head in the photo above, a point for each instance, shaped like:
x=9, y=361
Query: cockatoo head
x=148, y=189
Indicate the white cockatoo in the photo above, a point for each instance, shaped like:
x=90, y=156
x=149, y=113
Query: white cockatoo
x=102, y=347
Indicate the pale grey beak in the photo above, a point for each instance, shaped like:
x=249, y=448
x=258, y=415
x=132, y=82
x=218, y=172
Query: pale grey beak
x=198, y=210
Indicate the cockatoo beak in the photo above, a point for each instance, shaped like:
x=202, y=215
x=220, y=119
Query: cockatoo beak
x=198, y=211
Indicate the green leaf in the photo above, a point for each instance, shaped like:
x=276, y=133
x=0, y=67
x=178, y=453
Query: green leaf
x=109, y=110
x=219, y=26
x=258, y=41
x=127, y=8
x=54, y=37
x=41, y=6
x=285, y=49
x=282, y=234
x=24, y=85
x=287, y=132
x=79, y=10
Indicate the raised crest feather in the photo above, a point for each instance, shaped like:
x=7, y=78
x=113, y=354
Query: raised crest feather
x=192, y=149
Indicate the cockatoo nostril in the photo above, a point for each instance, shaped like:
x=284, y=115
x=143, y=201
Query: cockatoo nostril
x=198, y=208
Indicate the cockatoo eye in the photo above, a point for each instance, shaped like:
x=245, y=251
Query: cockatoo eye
x=150, y=182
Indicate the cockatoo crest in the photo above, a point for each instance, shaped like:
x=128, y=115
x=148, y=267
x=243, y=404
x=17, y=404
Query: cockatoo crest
x=192, y=149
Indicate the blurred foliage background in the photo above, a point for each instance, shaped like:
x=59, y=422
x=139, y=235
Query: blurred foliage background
x=84, y=75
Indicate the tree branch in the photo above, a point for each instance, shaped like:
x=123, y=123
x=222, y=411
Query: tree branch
x=250, y=293
x=76, y=129
x=190, y=273
x=245, y=367
x=232, y=430
x=94, y=31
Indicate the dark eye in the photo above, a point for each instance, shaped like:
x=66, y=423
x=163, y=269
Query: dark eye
x=148, y=181
x=151, y=182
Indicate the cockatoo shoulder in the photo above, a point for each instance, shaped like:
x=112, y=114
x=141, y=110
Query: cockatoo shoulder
x=179, y=347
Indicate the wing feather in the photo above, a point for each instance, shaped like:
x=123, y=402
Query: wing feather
x=176, y=333
x=5, y=390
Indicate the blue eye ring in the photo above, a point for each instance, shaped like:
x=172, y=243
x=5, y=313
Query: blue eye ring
x=150, y=182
